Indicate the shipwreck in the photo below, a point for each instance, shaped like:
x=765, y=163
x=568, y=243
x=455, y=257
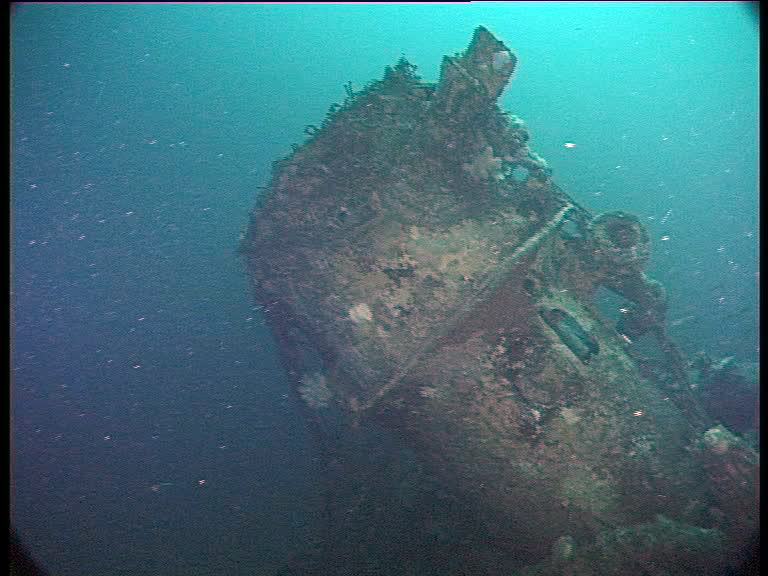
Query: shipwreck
x=432, y=293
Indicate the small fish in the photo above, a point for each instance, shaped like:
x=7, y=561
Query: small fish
x=680, y=321
x=159, y=485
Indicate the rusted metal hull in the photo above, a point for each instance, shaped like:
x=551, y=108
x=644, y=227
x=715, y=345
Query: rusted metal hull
x=421, y=271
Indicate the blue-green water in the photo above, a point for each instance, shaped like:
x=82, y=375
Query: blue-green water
x=152, y=431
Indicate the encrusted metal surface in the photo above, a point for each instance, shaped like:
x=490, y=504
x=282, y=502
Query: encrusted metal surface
x=421, y=271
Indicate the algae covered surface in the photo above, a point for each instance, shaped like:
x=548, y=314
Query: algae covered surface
x=423, y=267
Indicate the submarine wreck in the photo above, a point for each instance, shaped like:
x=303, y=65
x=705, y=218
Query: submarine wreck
x=432, y=293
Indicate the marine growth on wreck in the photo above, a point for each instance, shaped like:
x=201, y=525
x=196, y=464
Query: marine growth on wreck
x=432, y=293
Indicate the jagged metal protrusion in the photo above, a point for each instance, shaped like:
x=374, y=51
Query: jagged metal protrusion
x=477, y=77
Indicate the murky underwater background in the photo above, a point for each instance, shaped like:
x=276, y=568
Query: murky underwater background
x=152, y=428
